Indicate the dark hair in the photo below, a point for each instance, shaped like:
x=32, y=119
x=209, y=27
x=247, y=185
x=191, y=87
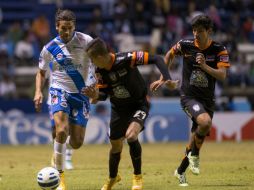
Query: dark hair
x=65, y=15
x=97, y=47
x=203, y=21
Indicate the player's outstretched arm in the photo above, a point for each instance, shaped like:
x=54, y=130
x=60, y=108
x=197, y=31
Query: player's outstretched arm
x=165, y=76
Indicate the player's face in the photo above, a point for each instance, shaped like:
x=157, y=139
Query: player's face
x=65, y=30
x=99, y=61
x=200, y=34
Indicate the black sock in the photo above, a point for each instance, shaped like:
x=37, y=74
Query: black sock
x=114, y=159
x=185, y=163
x=135, y=153
x=197, y=143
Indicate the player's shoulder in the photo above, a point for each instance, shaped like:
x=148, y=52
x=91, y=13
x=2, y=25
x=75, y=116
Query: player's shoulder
x=83, y=37
x=218, y=46
x=50, y=43
x=186, y=41
x=120, y=56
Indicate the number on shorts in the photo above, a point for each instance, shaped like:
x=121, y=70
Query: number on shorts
x=140, y=115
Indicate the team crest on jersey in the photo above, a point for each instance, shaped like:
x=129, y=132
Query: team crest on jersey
x=112, y=76
x=196, y=107
x=198, y=78
x=59, y=56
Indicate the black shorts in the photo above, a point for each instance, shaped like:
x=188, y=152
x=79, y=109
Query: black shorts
x=122, y=117
x=193, y=107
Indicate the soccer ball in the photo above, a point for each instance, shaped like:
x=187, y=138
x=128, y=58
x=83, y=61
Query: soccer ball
x=48, y=178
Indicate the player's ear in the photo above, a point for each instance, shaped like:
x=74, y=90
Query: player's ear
x=57, y=26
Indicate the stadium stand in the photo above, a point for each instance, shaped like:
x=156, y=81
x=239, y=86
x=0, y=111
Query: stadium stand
x=154, y=25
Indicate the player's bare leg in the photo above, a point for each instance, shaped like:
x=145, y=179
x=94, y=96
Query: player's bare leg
x=204, y=123
x=62, y=130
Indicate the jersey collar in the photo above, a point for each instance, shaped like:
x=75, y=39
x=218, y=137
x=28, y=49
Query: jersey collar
x=208, y=44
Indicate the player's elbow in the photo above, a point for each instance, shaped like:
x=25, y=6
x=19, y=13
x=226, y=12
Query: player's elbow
x=223, y=76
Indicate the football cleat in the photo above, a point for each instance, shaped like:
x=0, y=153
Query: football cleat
x=137, y=182
x=68, y=165
x=181, y=178
x=62, y=182
x=111, y=182
x=194, y=163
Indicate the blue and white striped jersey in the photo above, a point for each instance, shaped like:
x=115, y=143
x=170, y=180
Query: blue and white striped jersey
x=70, y=67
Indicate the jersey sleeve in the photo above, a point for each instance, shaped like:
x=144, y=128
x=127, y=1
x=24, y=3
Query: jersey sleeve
x=44, y=59
x=223, y=58
x=103, y=88
x=139, y=58
x=91, y=78
x=84, y=39
x=177, y=49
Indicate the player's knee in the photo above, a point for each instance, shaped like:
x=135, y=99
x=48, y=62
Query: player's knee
x=204, y=121
x=77, y=143
x=116, y=146
x=131, y=137
x=61, y=134
x=116, y=149
x=205, y=126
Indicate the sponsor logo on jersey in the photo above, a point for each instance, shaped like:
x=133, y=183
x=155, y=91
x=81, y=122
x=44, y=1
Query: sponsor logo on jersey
x=210, y=57
x=122, y=72
x=59, y=56
x=112, y=76
x=120, y=58
x=224, y=58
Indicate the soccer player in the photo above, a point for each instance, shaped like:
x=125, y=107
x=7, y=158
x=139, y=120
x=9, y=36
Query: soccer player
x=119, y=78
x=70, y=67
x=204, y=61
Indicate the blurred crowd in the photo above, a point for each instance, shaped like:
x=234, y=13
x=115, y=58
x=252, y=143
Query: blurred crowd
x=152, y=25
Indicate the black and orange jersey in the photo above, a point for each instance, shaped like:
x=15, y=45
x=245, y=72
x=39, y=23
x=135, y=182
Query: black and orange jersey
x=123, y=83
x=196, y=82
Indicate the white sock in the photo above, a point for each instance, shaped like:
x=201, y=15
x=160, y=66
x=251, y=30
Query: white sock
x=59, y=151
x=69, y=150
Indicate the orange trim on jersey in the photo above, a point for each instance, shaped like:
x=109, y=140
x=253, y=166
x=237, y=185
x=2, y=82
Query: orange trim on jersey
x=172, y=52
x=222, y=64
x=134, y=57
x=113, y=57
x=101, y=85
x=196, y=44
x=146, y=58
x=224, y=52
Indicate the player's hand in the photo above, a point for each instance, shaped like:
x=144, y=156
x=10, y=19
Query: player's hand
x=38, y=97
x=171, y=84
x=200, y=59
x=90, y=91
x=156, y=85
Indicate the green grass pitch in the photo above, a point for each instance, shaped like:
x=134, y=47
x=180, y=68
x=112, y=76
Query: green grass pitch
x=228, y=166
